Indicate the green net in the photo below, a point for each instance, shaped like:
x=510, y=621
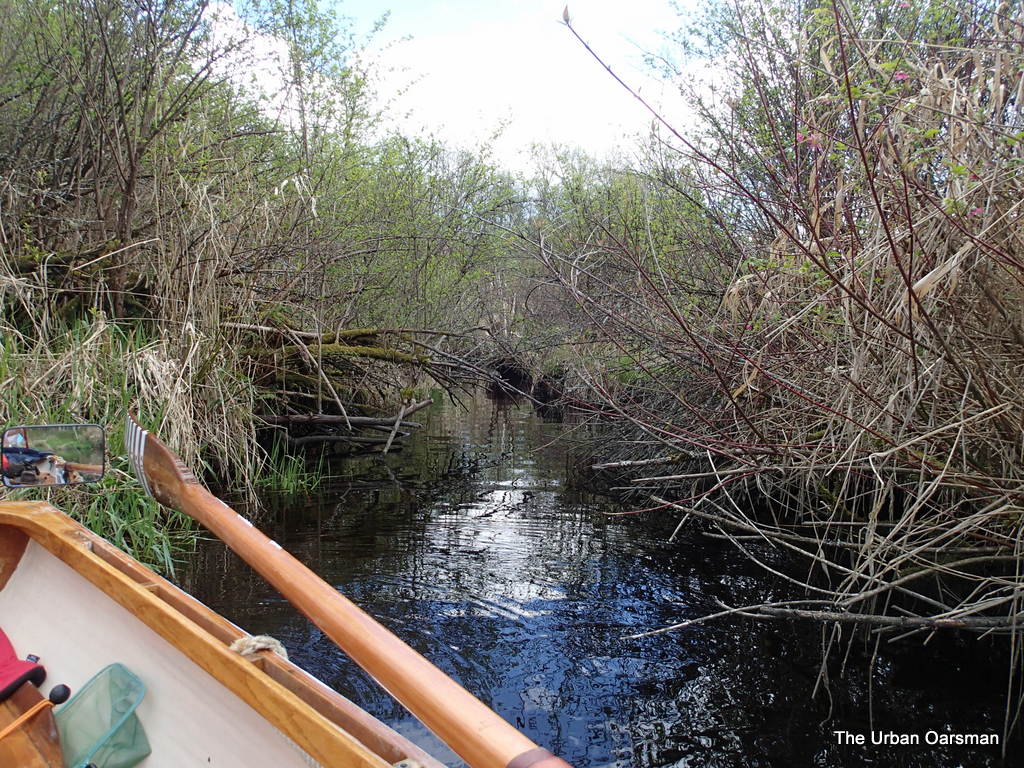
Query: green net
x=98, y=726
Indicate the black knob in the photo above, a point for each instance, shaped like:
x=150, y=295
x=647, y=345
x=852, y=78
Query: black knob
x=59, y=694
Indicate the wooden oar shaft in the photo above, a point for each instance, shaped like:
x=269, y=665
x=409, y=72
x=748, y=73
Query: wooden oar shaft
x=463, y=722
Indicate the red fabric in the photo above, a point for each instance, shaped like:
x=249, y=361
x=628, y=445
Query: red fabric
x=14, y=672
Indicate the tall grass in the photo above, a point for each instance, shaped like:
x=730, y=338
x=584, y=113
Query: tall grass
x=177, y=250
x=94, y=372
x=287, y=474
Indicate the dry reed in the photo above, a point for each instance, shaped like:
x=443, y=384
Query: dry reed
x=846, y=339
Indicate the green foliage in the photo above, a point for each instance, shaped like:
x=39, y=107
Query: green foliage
x=123, y=514
x=286, y=474
x=157, y=203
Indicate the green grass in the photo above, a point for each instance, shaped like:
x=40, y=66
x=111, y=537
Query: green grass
x=120, y=511
x=80, y=444
x=287, y=474
x=134, y=522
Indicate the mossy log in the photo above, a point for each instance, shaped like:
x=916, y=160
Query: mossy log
x=281, y=326
x=327, y=351
x=351, y=334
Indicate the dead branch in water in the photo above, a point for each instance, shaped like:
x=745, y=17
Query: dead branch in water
x=321, y=418
x=361, y=421
x=786, y=610
x=674, y=459
x=299, y=442
x=352, y=424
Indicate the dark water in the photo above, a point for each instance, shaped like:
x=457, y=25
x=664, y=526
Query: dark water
x=474, y=546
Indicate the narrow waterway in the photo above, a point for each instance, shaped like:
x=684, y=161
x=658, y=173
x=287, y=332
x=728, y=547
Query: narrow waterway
x=475, y=545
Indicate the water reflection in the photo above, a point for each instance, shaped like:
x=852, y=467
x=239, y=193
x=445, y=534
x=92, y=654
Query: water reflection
x=472, y=546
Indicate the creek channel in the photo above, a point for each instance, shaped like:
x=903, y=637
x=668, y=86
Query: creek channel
x=480, y=546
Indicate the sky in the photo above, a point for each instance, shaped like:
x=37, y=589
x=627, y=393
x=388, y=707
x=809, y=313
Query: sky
x=471, y=66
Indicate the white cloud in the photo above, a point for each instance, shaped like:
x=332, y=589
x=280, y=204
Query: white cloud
x=472, y=68
x=479, y=65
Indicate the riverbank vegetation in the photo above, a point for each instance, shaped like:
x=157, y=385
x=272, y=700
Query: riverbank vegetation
x=201, y=248
x=846, y=342
x=801, y=306
x=809, y=309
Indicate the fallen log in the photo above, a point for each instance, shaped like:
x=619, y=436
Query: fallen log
x=328, y=351
x=408, y=411
x=387, y=428
x=350, y=334
x=268, y=329
x=356, y=421
x=783, y=611
x=323, y=418
x=313, y=439
x=673, y=459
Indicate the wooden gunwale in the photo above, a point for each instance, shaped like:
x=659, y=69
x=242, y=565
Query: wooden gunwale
x=331, y=729
x=381, y=739
x=96, y=469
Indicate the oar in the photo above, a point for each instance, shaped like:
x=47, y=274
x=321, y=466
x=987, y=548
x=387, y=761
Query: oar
x=460, y=720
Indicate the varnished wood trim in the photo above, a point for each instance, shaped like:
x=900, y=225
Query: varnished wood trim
x=463, y=722
x=73, y=544
x=538, y=758
x=377, y=736
x=12, y=546
x=92, y=469
x=387, y=743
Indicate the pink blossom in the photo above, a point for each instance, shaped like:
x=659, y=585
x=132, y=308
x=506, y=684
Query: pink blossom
x=799, y=137
x=977, y=211
x=904, y=4
x=901, y=75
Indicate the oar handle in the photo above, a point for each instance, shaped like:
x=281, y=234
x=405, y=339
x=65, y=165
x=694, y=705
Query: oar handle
x=474, y=731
